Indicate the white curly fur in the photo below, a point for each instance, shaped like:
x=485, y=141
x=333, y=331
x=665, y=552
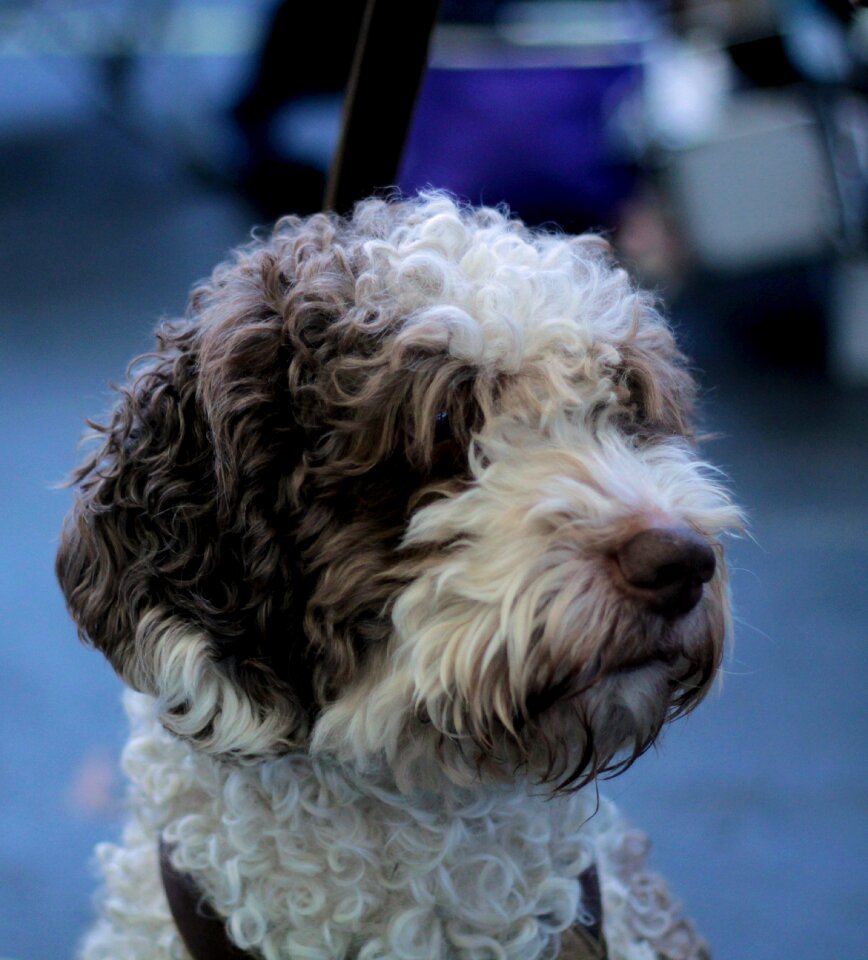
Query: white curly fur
x=193, y=694
x=307, y=860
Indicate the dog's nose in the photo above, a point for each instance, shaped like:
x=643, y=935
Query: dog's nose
x=667, y=566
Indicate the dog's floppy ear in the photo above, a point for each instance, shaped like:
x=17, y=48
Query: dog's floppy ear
x=178, y=560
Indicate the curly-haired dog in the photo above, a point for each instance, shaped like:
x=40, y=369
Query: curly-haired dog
x=402, y=536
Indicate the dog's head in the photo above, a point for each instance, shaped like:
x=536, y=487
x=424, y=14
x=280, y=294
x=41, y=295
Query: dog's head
x=417, y=484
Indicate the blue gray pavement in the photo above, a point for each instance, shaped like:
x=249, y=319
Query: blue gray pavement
x=756, y=803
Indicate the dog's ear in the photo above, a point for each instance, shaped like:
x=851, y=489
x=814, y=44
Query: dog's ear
x=178, y=560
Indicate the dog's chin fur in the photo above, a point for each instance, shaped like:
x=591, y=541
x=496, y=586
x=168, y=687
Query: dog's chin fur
x=361, y=510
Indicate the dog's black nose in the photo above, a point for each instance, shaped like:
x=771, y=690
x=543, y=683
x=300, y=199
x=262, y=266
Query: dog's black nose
x=667, y=566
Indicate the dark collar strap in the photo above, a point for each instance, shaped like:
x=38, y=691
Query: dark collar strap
x=204, y=931
x=585, y=941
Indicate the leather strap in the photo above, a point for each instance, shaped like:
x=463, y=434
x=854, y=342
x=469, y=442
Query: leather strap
x=387, y=72
x=585, y=941
x=201, y=928
x=204, y=934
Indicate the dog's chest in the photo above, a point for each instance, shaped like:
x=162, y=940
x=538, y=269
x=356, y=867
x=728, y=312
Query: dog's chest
x=298, y=855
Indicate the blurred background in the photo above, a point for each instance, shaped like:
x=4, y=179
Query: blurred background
x=722, y=144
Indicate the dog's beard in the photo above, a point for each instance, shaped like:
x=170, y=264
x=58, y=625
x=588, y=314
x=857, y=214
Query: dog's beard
x=584, y=693
x=584, y=717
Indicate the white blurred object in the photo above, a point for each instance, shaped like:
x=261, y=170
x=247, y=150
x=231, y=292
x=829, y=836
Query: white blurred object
x=757, y=192
x=687, y=86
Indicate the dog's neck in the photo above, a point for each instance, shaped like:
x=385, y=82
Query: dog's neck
x=288, y=839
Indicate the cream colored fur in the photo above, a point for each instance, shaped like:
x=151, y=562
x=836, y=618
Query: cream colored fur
x=307, y=860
